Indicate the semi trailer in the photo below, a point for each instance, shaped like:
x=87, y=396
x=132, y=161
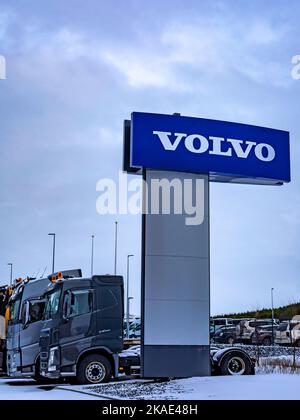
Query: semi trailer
x=82, y=333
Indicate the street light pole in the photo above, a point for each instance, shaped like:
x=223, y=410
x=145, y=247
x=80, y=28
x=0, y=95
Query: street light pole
x=11, y=273
x=53, y=255
x=273, y=314
x=127, y=296
x=92, y=259
x=129, y=299
x=116, y=247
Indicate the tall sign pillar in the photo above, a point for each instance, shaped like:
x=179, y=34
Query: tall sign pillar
x=175, y=287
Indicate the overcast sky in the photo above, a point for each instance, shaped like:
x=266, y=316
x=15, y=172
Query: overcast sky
x=76, y=69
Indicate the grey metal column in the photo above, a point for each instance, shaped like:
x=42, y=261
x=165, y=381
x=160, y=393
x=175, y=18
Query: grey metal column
x=175, y=290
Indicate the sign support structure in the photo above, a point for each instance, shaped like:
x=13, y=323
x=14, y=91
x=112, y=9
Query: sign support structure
x=175, y=289
x=176, y=254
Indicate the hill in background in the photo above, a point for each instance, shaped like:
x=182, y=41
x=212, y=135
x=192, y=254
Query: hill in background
x=282, y=313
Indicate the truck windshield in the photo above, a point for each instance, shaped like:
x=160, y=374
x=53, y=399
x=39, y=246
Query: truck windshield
x=15, y=309
x=52, y=303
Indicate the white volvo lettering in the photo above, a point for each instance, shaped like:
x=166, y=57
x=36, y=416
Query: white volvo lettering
x=217, y=147
x=196, y=143
x=199, y=146
x=237, y=147
x=270, y=152
x=166, y=141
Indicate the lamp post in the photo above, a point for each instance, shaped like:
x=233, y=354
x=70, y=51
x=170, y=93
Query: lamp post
x=127, y=295
x=11, y=273
x=92, y=257
x=273, y=314
x=53, y=252
x=116, y=247
x=129, y=299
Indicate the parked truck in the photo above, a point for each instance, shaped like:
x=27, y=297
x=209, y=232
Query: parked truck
x=82, y=333
x=26, y=309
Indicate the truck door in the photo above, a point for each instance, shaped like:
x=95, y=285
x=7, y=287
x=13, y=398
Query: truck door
x=75, y=328
x=14, y=327
x=32, y=319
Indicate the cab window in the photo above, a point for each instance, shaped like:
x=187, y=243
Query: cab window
x=282, y=327
x=52, y=304
x=81, y=302
x=36, y=311
x=14, y=311
x=220, y=322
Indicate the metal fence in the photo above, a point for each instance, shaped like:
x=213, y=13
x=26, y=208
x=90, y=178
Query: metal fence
x=256, y=332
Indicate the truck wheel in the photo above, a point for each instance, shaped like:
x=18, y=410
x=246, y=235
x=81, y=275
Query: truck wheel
x=235, y=364
x=94, y=369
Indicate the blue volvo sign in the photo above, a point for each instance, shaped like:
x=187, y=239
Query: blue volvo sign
x=228, y=152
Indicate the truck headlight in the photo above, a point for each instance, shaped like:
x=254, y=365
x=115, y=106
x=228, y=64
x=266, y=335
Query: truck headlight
x=53, y=359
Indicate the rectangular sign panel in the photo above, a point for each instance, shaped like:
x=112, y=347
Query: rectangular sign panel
x=228, y=152
x=175, y=288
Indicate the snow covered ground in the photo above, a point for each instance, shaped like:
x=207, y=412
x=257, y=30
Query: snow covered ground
x=28, y=390
x=260, y=387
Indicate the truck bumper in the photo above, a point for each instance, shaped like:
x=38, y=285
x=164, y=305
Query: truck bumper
x=50, y=375
x=14, y=364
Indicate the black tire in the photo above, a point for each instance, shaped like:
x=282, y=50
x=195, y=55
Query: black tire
x=127, y=371
x=235, y=363
x=94, y=369
x=267, y=341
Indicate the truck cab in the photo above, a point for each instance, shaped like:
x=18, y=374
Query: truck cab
x=82, y=333
x=24, y=325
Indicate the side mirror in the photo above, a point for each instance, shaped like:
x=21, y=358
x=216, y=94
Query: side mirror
x=67, y=307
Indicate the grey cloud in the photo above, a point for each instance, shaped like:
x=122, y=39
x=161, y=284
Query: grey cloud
x=75, y=71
